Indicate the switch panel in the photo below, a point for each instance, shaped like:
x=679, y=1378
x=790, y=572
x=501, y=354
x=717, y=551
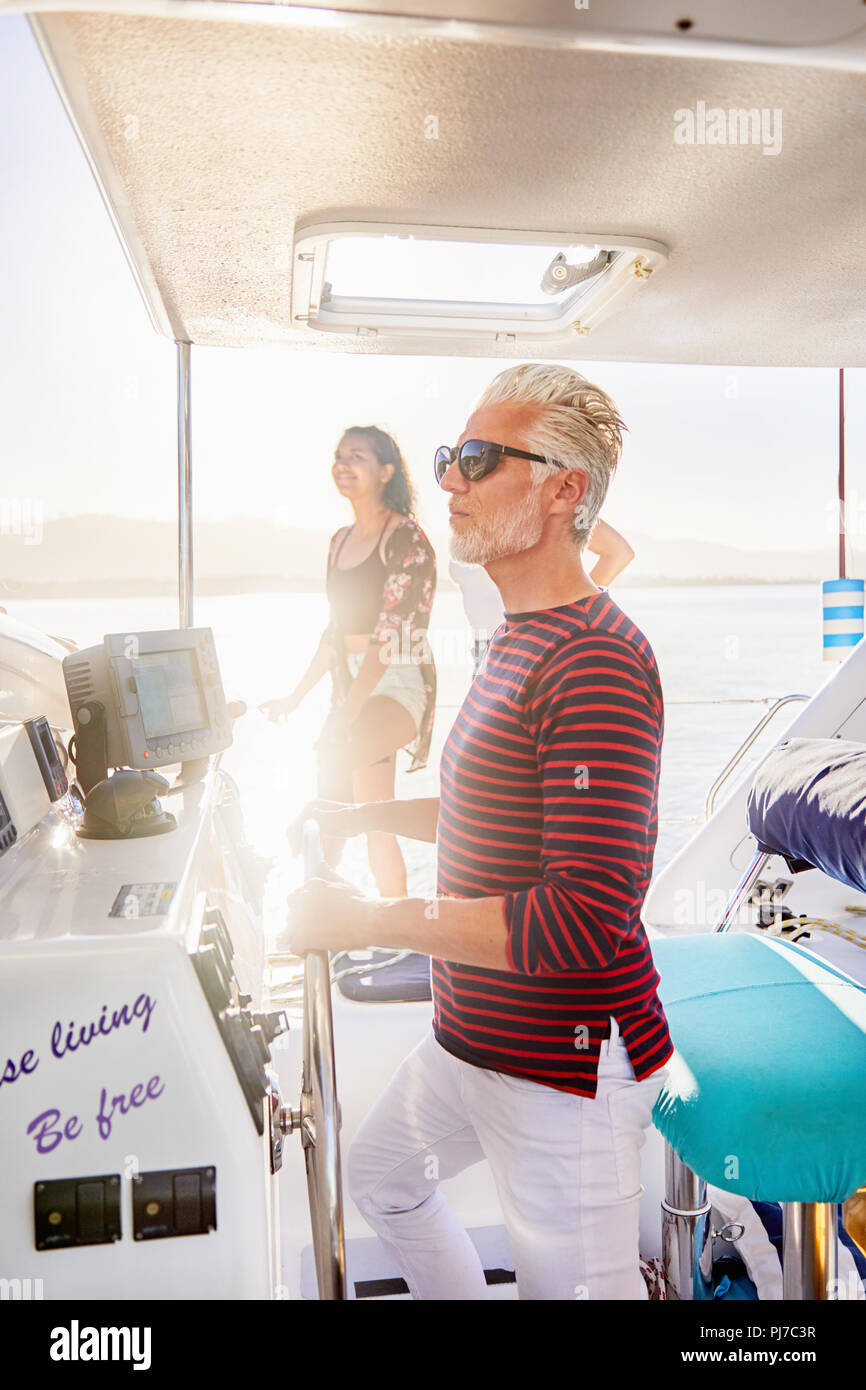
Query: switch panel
x=247, y=1036
x=174, y=1202
x=77, y=1211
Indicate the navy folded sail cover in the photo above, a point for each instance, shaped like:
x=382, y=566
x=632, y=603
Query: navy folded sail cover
x=808, y=803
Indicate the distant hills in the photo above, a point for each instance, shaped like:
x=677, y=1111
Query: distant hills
x=94, y=555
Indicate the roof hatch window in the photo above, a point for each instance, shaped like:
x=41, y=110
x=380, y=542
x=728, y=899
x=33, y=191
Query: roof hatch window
x=366, y=278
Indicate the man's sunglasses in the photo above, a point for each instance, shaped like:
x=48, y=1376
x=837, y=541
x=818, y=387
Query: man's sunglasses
x=476, y=458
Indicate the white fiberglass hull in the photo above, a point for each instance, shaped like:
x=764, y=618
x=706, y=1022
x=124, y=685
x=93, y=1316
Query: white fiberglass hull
x=31, y=678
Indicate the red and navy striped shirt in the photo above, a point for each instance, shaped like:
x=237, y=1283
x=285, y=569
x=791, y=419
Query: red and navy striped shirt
x=549, y=796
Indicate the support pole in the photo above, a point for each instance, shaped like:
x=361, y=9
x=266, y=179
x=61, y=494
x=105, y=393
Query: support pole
x=687, y=1247
x=810, y=1254
x=842, y=573
x=184, y=488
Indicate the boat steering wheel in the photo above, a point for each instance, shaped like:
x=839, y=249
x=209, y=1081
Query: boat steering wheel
x=318, y=1118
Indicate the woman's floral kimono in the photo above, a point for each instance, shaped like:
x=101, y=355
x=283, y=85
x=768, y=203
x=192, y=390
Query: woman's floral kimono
x=407, y=597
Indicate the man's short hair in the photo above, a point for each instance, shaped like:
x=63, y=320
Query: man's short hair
x=577, y=425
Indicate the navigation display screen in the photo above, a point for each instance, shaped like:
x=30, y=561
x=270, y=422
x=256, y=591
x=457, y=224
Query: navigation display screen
x=169, y=693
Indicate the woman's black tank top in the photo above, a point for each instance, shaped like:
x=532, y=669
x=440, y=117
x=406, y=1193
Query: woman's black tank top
x=355, y=594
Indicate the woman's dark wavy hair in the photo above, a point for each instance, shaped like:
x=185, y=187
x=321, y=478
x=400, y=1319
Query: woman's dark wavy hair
x=399, y=493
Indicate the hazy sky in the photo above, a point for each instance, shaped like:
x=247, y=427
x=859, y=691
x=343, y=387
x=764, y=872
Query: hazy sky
x=746, y=457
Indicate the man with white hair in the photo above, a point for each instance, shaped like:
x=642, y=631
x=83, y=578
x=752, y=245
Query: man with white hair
x=549, y=1041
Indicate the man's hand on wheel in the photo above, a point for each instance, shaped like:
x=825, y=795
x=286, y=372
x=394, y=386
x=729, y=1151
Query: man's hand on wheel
x=326, y=915
x=338, y=818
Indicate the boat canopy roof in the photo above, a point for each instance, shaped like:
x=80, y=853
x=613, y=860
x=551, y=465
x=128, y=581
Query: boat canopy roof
x=217, y=131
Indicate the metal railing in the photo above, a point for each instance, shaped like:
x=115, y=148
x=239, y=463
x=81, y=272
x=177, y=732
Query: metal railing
x=745, y=746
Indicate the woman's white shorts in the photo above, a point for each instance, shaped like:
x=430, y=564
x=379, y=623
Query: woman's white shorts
x=403, y=683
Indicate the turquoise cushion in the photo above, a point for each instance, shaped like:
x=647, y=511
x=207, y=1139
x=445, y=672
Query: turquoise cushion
x=766, y=1093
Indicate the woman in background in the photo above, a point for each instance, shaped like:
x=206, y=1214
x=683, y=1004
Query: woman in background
x=481, y=601
x=381, y=580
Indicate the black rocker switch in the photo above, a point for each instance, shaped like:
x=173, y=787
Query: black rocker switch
x=77, y=1211
x=174, y=1202
x=90, y=1200
x=187, y=1204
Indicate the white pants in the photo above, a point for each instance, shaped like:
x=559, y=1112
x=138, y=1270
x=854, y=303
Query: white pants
x=567, y=1170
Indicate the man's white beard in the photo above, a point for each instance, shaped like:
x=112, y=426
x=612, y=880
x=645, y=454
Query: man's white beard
x=489, y=538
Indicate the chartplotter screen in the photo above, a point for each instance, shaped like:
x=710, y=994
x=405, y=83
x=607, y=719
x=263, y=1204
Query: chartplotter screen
x=169, y=693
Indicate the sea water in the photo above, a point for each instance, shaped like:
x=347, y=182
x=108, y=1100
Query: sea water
x=721, y=650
